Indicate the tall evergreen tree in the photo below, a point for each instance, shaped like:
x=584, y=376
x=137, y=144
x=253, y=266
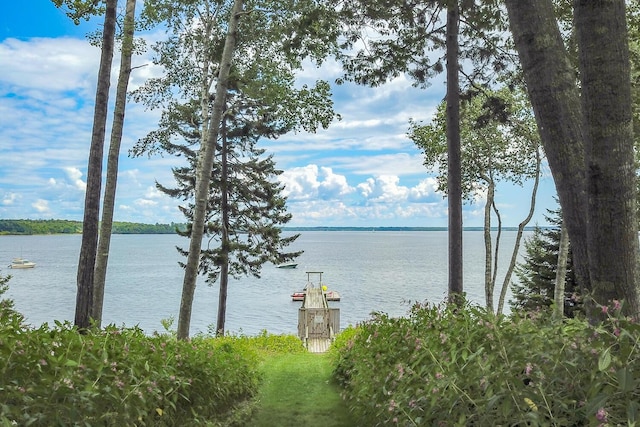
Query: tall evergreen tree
x=534, y=289
x=245, y=207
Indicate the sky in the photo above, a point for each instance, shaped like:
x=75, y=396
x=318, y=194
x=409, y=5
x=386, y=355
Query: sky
x=363, y=171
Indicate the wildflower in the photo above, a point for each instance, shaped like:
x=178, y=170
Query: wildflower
x=601, y=415
x=400, y=371
x=605, y=309
x=439, y=375
x=392, y=405
x=616, y=305
x=528, y=369
x=119, y=384
x=43, y=362
x=443, y=338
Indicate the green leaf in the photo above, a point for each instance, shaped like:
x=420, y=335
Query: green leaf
x=71, y=363
x=632, y=412
x=625, y=379
x=604, y=361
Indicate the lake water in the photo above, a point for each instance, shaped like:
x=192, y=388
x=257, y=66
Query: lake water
x=373, y=271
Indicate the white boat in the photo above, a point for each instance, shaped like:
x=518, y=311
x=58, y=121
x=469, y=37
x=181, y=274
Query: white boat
x=22, y=263
x=288, y=265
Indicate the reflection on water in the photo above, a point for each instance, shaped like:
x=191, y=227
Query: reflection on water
x=373, y=271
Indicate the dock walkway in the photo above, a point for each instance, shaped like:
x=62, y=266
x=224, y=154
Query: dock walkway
x=317, y=323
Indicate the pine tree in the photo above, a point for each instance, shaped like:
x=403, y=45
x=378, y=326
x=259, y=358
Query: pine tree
x=537, y=274
x=246, y=209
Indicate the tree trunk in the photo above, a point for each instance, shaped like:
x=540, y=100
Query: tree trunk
x=88, y=247
x=224, y=254
x=488, y=269
x=454, y=181
x=561, y=274
x=516, y=245
x=108, y=203
x=609, y=152
x=555, y=98
x=203, y=177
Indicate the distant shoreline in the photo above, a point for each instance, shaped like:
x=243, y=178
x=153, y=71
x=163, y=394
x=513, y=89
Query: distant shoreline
x=53, y=226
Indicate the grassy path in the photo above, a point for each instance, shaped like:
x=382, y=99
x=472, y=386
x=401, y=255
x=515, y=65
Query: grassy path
x=298, y=391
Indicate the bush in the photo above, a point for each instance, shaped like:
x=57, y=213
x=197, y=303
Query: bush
x=56, y=376
x=462, y=366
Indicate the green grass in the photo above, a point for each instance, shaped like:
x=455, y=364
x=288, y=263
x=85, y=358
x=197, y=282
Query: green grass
x=298, y=391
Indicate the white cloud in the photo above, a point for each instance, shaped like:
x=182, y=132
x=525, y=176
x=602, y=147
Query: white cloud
x=44, y=65
x=384, y=189
x=311, y=182
x=9, y=199
x=146, y=203
x=424, y=190
x=42, y=206
x=75, y=175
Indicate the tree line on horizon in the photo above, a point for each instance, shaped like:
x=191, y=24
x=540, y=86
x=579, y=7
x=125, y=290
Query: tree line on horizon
x=61, y=226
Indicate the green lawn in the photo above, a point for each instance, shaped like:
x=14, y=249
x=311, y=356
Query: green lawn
x=298, y=391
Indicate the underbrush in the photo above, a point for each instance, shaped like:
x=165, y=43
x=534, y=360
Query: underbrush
x=53, y=375
x=464, y=367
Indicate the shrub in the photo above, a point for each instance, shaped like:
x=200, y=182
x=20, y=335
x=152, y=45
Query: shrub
x=463, y=366
x=56, y=376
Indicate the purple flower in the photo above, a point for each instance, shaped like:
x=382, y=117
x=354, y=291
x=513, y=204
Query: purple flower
x=601, y=415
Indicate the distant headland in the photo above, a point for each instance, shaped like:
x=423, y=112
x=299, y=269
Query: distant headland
x=62, y=226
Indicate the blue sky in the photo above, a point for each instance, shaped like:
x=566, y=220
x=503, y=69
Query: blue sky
x=362, y=171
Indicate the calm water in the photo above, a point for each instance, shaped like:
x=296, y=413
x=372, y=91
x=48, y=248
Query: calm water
x=373, y=271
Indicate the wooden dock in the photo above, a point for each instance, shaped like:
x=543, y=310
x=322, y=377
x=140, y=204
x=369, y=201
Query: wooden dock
x=317, y=322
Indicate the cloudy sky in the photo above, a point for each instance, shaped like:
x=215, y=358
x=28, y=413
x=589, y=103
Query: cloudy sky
x=362, y=171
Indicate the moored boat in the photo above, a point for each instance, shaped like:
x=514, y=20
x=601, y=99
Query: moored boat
x=288, y=265
x=21, y=263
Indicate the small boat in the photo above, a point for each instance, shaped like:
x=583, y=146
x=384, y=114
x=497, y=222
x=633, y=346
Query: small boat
x=288, y=265
x=22, y=263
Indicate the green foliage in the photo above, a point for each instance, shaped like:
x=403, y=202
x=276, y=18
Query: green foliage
x=78, y=10
x=385, y=39
x=55, y=376
x=536, y=283
x=499, y=141
x=269, y=343
x=452, y=366
x=59, y=226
